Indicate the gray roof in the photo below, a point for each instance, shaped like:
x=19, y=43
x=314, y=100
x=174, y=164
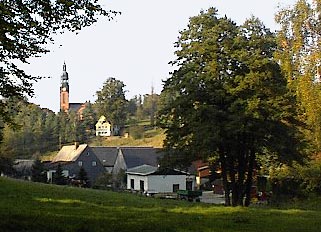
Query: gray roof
x=136, y=156
x=169, y=171
x=23, y=164
x=142, y=170
x=106, y=155
x=145, y=170
x=75, y=106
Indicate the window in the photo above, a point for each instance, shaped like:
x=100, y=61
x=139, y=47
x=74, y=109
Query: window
x=94, y=163
x=132, y=183
x=175, y=188
x=79, y=163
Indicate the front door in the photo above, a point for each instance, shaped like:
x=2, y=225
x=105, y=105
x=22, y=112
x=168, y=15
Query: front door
x=189, y=185
x=141, y=184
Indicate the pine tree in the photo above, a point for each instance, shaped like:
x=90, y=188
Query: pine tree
x=59, y=177
x=82, y=177
x=38, y=172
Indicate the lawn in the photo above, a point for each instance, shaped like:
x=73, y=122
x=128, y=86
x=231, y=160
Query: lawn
x=27, y=206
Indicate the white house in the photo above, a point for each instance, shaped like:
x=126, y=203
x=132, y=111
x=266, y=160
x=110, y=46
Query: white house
x=151, y=179
x=103, y=127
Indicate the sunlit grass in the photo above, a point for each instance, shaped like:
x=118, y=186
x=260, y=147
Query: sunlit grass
x=26, y=206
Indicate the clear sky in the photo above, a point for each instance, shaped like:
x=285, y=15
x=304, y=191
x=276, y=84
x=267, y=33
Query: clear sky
x=134, y=48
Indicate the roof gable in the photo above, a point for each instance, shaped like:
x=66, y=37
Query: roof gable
x=69, y=153
x=106, y=155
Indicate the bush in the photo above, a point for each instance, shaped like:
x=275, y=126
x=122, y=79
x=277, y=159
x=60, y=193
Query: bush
x=104, y=181
x=137, y=132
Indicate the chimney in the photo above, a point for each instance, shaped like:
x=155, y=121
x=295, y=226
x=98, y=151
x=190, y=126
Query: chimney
x=76, y=145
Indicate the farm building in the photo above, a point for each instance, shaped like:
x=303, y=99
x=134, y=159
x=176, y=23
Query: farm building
x=150, y=179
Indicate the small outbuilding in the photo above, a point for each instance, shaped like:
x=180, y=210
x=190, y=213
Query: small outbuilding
x=150, y=179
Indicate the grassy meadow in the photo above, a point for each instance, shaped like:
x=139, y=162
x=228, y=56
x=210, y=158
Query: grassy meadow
x=27, y=206
x=151, y=138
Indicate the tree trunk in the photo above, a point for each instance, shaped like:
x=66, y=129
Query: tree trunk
x=225, y=183
x=249, y=178
x=234, y=186
x=241, y=176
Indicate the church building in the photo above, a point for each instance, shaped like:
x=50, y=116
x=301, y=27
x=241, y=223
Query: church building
x=65, y=105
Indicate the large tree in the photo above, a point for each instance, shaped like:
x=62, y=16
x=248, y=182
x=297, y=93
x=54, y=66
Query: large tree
x=299, y=54
x=26, y=27
x=111, y=101
x=227, y=99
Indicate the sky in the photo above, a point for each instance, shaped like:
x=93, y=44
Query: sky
x=134, y=48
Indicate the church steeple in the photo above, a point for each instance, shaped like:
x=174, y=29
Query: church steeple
x=64, y=90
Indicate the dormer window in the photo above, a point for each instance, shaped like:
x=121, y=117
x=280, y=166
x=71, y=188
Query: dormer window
x=80, y=163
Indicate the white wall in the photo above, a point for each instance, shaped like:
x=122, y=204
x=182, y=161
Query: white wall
x=165, y=183
x=137, y=180
x=157, y=183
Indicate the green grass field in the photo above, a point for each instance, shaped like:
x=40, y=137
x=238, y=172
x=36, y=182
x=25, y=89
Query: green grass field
x=27, y=206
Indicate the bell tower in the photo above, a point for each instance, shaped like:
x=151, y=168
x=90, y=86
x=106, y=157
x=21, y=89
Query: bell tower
x=64, y=90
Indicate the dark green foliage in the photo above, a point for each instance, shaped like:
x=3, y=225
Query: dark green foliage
x=26, y=27
x=104, y=181
x=228, y=100
x=296, y=180
x=150, y=106
x=36, y=131
x=144, y=108
x=59, y=178
x=82, y=177
x=6, y=164
x=38, y=172
x=111, y=102
x=89, y=120
x=137, y=132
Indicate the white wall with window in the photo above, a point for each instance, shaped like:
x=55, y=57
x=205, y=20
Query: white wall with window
x=158, y=183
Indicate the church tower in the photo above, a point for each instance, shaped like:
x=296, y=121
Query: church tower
x=64, y=91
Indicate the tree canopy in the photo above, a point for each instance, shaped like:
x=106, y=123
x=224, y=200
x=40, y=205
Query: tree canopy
x=111, y=101
x=228, y=99
x=299, y=56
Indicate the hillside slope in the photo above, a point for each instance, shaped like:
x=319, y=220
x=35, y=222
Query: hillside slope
x=27, y=206
x=150, y=138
